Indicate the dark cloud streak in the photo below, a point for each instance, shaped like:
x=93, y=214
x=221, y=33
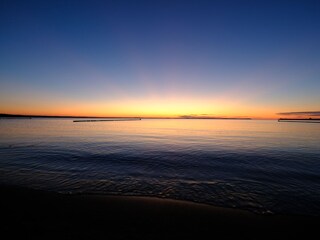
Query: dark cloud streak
x=308, y=113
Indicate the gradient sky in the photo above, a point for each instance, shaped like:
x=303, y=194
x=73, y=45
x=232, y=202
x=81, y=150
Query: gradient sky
x=159, y=58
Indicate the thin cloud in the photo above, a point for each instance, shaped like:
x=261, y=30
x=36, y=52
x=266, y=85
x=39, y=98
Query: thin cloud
x=203, y=115
x=308, y=113
x=189, y=116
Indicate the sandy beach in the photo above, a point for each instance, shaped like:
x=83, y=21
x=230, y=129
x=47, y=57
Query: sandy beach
x=33, y=214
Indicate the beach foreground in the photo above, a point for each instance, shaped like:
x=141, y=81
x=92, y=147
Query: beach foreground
x=32, y=214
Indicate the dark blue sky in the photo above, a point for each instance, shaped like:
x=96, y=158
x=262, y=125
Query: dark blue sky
x=180, y=57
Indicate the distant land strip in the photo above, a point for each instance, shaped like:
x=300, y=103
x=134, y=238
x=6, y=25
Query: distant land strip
x=17, y=116
x=108, y=120
x=300, y=120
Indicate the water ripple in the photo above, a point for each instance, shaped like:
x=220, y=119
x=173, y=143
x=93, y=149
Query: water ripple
x=206, y=165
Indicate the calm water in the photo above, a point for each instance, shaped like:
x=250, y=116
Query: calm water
x=261, y=166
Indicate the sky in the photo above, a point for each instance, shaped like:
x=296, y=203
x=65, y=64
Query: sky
x=223, y=58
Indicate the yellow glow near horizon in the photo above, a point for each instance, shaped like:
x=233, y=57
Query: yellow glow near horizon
x=151, y=107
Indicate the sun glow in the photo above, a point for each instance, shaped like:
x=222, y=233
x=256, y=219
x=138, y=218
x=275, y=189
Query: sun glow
x=171, y=107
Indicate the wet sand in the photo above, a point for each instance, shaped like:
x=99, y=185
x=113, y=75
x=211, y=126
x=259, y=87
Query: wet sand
x=31, y=214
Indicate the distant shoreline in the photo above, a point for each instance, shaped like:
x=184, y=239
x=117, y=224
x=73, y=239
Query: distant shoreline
x=47, y=116
x=301, y=120
x=17, y=116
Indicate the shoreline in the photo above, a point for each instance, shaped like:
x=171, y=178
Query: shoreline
x=42, y=215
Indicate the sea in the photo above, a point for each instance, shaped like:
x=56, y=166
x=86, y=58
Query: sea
x=263, y=166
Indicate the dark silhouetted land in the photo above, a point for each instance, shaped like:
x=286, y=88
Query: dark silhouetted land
x=47, y=116
x=31, y=214
x=108, y=120
x=302, y=120
x=95, y=117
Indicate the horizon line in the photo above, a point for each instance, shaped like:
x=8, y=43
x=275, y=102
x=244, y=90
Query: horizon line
x=71, y=116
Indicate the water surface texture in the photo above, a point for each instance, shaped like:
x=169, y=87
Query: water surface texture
x=261, y=166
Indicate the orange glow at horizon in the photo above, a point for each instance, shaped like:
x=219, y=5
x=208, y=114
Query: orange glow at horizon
x=171, y=108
